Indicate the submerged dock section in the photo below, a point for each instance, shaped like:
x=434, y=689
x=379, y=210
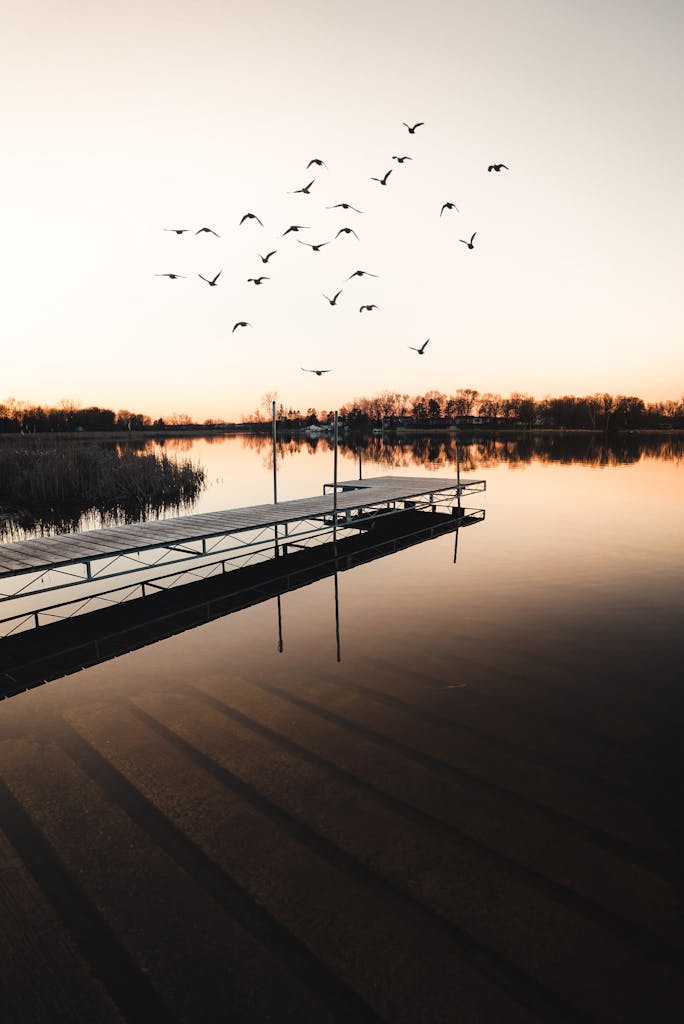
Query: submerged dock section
x=206, y=543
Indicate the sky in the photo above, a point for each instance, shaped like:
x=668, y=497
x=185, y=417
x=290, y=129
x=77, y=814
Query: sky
x=120, y=120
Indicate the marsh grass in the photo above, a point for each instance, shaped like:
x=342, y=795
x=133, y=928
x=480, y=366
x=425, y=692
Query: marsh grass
x=50, y=486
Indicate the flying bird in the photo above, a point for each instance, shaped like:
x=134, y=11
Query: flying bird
x=470, y=243
x=240, y=323
x=449, y=206
x=412, y=131
x=368, y=308
x=172, y=276
x=383, y=181
x=318, y=162
x=294, y=227
x=212, y=283
x=207, y=231
x=497, y=167
x=266, y=258
x=305, y=191
x=318, y=373
x=333, y=301
x=346, y=231
x=177, y=231
x=258, y=280
x=361, y=273
x=420, y=350
x=402, y=159
x=250, y=216
x=344, y=206
x=316, y=248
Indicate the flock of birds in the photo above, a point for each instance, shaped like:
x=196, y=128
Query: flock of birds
x=316, y=247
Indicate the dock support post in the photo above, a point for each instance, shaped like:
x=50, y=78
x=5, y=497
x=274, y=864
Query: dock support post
x=360, y=464
x=275, y=458
x=275, y=473
x=335, y=482
x=458, y=472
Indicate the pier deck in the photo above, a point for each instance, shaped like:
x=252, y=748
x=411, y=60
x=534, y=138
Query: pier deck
x=79, y=558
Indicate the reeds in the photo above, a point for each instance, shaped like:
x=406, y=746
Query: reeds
x=59, y=481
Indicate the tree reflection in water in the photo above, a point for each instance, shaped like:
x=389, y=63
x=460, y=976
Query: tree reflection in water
x=438, y=451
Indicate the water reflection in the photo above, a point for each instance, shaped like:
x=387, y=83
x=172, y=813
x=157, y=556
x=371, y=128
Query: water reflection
x=85, y=637
x=437, y=451
x=236, y=478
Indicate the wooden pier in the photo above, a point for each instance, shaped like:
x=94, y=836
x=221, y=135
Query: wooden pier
x=93, y=563
x=78, y=558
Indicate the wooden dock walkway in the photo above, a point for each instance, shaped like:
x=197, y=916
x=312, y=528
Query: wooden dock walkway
x=354, y=498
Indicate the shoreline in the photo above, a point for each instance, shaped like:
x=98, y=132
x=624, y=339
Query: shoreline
x=393, y=432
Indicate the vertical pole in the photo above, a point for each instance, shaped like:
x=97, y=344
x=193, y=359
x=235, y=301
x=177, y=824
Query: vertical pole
x=275, y=459
x=275, y=475
x=360, y=463
x=335, y=482
x=337, y=617
x=458, y=471
x=280, y=626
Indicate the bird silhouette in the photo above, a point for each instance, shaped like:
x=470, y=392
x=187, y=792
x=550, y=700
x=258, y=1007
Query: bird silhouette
x=412, y=131
x=318, y=373
x=212, y=283
x=305, y=191
x=333, y=301
x=368, y=308
x=420, y=350
x=266, y=258
x=402, y=159
x=449, y=206
x=470, y=243
x=318, y=162
x=172, y=276
x=346, y=231
x=258, y=280
x=207, y=231
x=497, y=167
x=316, y=248
x=294, y=227
x=343, y=206
x=361, y=273
x=382, y=181
x=250, y=216
x=240, y=323
x=177, y=231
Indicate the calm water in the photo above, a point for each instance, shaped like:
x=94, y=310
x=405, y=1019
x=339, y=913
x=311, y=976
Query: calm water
x=471, y=816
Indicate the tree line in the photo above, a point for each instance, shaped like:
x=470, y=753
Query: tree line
x=435, y=408
x=24, y=418
x=390, y=408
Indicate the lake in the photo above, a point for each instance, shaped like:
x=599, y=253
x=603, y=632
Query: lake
x=443, y=784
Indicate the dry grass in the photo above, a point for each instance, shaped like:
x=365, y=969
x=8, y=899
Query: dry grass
x=56, y=482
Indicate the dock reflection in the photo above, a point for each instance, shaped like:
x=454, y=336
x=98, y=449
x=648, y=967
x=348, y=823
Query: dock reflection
x=61, y=648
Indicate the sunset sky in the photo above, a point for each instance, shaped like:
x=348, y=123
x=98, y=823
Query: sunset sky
x=122, y=119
